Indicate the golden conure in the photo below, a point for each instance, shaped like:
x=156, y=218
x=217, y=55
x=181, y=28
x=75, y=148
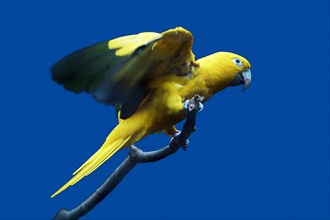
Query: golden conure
x=147, y=77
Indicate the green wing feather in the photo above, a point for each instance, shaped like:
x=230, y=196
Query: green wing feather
x=85, y=69
x=96, y=69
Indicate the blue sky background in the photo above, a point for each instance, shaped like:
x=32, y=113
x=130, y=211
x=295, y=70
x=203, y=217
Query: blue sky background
x=261, y=154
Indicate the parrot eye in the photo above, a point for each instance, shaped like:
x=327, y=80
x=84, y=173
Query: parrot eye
x=238, y=62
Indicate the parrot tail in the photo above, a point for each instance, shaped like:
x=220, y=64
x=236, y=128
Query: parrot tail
x=119, y=138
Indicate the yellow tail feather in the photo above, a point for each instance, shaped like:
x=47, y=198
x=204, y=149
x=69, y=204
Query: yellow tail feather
x=108, y=149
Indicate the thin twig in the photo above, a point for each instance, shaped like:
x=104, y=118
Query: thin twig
x=134, y=157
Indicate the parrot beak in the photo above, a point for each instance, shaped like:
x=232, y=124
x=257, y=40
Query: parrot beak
x=243, y=78
x=247, y=76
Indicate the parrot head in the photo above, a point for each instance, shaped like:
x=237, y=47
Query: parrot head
x=240, y=69
x=223, y=69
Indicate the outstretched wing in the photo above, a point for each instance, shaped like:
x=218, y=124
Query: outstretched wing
x=118, y=71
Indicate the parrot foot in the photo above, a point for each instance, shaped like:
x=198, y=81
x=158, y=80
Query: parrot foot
x=189, y=104
x=176, y=137
x=191, y=107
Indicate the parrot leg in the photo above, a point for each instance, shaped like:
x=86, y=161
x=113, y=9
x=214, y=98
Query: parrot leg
x=189, y=105
x=171, y=131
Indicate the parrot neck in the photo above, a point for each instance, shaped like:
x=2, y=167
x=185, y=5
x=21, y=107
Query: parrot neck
x=214, y=73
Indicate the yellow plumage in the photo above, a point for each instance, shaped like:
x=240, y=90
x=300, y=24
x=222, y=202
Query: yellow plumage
x=128, y=44
x=171, y=75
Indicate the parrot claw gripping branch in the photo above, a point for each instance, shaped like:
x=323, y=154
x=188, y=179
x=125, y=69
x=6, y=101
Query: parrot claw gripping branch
x=154, y=81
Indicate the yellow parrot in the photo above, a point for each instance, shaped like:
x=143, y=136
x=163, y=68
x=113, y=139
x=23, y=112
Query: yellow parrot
x=147, y=77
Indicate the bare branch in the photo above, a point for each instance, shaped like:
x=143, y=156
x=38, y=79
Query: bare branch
x=134, y=157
